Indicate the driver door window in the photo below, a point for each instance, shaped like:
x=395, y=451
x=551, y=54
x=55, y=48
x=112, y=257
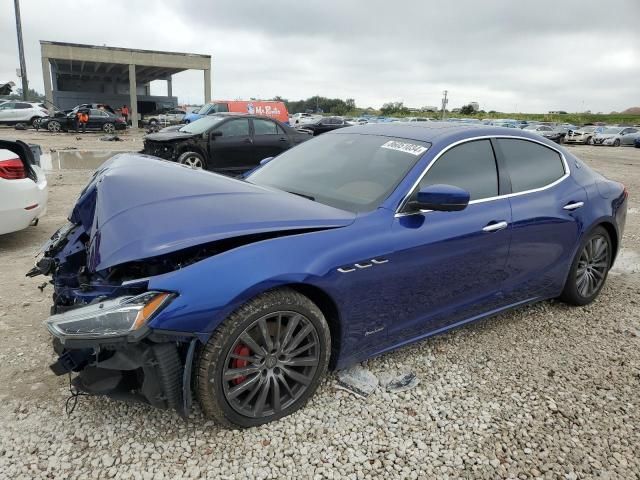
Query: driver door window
x=235, y=128
x=470, y=166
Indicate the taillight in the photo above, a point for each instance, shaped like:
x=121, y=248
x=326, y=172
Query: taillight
x=12, y=169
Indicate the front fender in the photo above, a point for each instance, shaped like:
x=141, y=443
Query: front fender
x=208, y=291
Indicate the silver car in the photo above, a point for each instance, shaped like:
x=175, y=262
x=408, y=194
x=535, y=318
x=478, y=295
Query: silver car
x=583, y=135
x=616, y=136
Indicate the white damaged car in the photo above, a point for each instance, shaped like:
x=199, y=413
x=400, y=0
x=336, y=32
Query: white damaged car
x=23, y=187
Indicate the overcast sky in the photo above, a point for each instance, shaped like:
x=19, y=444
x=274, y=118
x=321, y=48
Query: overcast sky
x=506, y=55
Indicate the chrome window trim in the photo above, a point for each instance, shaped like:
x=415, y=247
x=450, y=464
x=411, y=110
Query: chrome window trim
x=565, y=164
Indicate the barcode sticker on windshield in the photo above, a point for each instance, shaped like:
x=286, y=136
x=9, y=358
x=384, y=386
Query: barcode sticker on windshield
x=411, y=148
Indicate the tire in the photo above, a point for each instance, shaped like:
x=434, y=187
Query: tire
x=589, y=141
x=54, y=126
x=587, y=260
x=193, y=160
x=186, y=122
x=250, y=400
x=109, y=128
x=616, y=142
x=153, y=121
x=33, y=121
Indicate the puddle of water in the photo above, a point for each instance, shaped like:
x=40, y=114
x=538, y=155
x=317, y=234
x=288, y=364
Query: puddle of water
x=628, y=261
x=75, y=159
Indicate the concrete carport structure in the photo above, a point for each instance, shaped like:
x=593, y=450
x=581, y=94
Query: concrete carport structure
x=75, y=73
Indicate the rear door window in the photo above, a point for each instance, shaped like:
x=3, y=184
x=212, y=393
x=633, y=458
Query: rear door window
x=530, y=165
x=264, y=127
x=470, y=166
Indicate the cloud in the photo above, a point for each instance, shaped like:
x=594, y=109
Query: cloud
x=506, y=55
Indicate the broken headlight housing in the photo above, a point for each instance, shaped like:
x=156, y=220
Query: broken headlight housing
x=110, y=318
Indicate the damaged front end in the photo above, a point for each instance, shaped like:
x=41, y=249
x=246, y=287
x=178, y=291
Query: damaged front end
x=138, y=219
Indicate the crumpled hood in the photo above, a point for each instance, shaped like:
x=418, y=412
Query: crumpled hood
x=137, y=207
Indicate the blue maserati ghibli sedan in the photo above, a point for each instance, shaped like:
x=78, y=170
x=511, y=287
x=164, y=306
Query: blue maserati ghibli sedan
x=174, y=284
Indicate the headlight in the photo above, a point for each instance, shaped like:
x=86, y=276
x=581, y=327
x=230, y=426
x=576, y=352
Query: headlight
x=110, y=318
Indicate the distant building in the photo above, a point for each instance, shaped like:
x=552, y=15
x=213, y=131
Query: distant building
x=429, y=109
x=557, y=112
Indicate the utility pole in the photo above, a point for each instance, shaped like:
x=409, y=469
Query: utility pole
x=23, y=65
x=444, y=103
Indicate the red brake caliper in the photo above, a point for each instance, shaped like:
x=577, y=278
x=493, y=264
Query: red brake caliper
x=241, y=349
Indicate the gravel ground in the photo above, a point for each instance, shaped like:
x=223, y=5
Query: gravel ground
x=546, y=391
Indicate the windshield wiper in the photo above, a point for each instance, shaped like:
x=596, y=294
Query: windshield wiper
x=308, y=197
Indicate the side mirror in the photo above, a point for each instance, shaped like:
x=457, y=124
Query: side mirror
x=264, y=161
x=441, y=198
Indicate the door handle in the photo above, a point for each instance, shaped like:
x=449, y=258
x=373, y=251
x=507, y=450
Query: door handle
x=573, y=205
x=282, y=139
x=494, y=227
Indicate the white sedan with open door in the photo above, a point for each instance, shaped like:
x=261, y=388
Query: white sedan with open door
x=23, y=187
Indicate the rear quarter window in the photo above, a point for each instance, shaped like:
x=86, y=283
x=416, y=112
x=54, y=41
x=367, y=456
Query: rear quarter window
x=530, y=165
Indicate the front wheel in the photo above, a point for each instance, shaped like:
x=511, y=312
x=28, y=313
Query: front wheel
x=265, y=361
x=54, y=126
x=193, y=160
x=109, y=128
x=590, y=141
x=589, y=269
x=616, y=142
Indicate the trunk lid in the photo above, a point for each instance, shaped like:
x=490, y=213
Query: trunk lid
x=136, y=207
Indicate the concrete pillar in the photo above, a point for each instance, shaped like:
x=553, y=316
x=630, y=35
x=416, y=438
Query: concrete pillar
x=133, y=96
x=207, y=85
x=169, y=86
x=48, y=91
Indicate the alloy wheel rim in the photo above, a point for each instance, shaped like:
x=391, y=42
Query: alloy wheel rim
x=109, y=128
x=271, y=364
x=193, y=162
x=54, y=126
x=592, y=266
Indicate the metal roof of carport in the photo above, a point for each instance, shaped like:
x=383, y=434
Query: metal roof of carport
x=93, y=61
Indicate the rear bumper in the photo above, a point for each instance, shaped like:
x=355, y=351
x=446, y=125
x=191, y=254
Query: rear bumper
x=22, y=202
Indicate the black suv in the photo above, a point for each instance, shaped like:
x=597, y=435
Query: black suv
x=224, y=142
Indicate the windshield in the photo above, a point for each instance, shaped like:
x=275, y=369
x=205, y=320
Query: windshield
x=531, y=127
x=347, y=171
x=201, y=125
x=612, y=130
x=588, y=129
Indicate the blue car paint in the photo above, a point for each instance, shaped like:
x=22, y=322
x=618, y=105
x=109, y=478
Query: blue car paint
x=191, y=117
x=128, y=189
x=431, y=272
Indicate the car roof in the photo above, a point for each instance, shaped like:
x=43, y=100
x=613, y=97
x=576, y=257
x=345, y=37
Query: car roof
x=436, y=132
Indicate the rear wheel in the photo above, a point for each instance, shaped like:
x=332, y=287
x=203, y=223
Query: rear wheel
x=265, y=361
x=34, y=121
x=54, y=126
x=589, y=269
x=109, y=128
x=193, y=160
